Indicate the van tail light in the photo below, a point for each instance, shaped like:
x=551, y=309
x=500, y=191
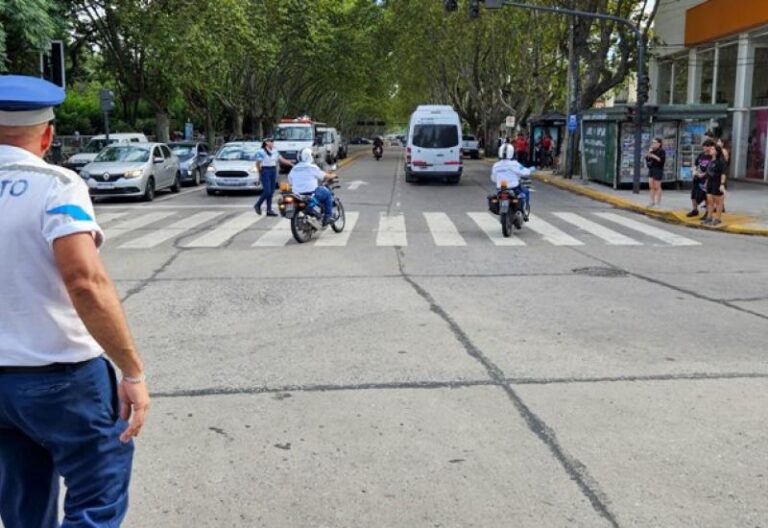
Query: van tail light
x=419, y=163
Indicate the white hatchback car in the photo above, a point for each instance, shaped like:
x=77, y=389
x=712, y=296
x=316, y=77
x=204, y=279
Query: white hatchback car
x=234, y=168
x=133, y=170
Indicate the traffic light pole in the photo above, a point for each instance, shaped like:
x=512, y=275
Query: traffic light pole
x=640, y=68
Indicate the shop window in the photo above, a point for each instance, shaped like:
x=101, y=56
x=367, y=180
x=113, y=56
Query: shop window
x=706, y=62
x=756, y=144
x=726, y=75
x=680, y=89
x=760, y=76
x=664, y=83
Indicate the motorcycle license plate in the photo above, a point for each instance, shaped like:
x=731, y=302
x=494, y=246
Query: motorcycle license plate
x=504, y=206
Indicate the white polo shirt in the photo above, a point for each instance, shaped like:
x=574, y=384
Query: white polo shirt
x=305, y=177
x=38, y=204
x=268, y=159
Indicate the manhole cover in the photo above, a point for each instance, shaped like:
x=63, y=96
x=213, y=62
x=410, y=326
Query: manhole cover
x=596, y=271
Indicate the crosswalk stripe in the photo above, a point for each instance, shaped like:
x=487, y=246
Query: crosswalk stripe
x=224, y=232
x=278, y=236
x=157, y=237
x=391, y=231
x=491, y=227
x=550, y=233
x=665, y=236
x=103, y=218
x=331, y=239
x=138, y=222
x=443, y=231
x=612, y=237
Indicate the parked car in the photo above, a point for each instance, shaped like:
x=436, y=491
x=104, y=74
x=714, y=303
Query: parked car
x=234, y=168
x=343, y=147
x=470, y=146
x=136, y=169
x=97, y=144
x=361, y=141
x=194, y=159
x=330, y=140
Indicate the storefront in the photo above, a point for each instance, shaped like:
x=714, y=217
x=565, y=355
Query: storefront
x=724, y=63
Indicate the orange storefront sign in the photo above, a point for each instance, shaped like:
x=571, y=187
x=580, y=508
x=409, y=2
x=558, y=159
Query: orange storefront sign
x=716, y=19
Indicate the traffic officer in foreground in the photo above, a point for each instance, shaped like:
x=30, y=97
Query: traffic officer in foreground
x=62, y=410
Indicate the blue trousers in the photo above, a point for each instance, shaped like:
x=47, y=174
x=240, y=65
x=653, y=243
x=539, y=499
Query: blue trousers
x=325, y=197
x=63, y=424
x=268, y=182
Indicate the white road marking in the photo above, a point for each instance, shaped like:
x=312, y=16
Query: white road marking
x=278, y=236
x=331, y=239
x=103, y=218
x=180, y=193
x=157, y=237
x=137, y=222
x=491, y=227
x=652, y=231
x=550, y=233
x=611, y=237
x=224, y=232
x=391, y=231
x=443, y=231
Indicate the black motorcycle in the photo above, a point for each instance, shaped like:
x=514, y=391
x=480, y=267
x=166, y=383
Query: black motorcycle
x=306, y=214
x=378, y=151
x=511, y=206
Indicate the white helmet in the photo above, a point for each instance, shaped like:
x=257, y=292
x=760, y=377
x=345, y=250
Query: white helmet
x=305, y=156
x=507, y=151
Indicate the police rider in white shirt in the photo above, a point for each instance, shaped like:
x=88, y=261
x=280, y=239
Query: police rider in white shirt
x=306, y=177
x=510, y=170
x=62, y=410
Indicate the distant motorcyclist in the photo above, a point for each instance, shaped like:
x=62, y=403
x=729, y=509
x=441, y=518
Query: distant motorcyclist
x=378, y=144
x=306, y=177
x=510, y=170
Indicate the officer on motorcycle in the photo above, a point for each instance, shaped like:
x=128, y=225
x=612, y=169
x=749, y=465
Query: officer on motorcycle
x=306, y=177
x=509, y=169
x=378, y=143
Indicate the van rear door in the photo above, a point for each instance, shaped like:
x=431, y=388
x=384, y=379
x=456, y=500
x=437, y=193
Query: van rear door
x=436, y=147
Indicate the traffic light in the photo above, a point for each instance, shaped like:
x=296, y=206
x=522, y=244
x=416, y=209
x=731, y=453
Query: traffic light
x=451, y=5
x=643, y=88
x=474, y=8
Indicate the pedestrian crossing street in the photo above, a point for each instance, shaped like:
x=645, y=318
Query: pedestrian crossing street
x=213, y=229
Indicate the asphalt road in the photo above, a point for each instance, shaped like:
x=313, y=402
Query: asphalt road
x=416, y=372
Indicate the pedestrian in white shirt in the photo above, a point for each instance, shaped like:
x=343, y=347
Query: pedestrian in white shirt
x=62, y=410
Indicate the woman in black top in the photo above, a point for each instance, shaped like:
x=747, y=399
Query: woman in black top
x=715, y=183
x=654, y=160
x=699, y=183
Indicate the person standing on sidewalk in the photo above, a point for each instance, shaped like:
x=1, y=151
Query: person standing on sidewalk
x=62, y=410
x=727, y=157
x=654, y=160
x=267, y=160
x=715, y=183
x=521, y=148
x=699, y=183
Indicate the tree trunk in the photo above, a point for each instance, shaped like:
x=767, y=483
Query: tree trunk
x=237, y=123
x=163, y=127
x=210, y=129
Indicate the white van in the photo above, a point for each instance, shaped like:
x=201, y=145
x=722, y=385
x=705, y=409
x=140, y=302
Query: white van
x=97, y=144
x=433, y=149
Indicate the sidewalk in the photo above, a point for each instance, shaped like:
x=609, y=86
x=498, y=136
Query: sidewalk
x=746, y=204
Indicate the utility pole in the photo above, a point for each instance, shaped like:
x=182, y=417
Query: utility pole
x=572, y=73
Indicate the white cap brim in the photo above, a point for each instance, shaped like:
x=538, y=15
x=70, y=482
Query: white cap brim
x=26, y=117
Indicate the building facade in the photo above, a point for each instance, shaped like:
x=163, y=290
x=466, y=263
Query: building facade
x=716, y=52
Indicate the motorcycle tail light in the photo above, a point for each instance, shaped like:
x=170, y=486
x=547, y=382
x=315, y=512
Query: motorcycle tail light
x=302, y=205
x=504, y=196
x=289, y=199
x=494, y=200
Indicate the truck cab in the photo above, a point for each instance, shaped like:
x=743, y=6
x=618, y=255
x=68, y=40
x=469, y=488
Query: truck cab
x=294, y=135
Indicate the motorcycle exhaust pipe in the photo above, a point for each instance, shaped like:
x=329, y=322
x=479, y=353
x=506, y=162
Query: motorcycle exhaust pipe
x=314, y=222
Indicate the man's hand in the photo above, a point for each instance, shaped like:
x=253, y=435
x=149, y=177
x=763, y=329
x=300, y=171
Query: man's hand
x=134, y=404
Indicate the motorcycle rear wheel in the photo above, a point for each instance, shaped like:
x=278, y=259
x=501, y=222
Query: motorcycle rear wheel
x=339, y=216
x=517, y=220
x=300, y=227
x=506, y=224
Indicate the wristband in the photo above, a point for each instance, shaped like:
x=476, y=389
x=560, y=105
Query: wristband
x=135, y=380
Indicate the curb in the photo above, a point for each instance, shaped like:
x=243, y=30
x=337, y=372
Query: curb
x=740, y=227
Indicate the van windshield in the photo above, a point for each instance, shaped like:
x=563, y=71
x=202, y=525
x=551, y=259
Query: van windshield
x=95, y=146
x=435, y=136
x=293, y=133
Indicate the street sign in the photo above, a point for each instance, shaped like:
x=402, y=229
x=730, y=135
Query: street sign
x=106, y=100
x=510, y=122
x=573, y=123
x=189, y=130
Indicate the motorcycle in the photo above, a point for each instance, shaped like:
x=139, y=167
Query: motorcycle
x=511, y=206
x=378, y=151
x=306, y=214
